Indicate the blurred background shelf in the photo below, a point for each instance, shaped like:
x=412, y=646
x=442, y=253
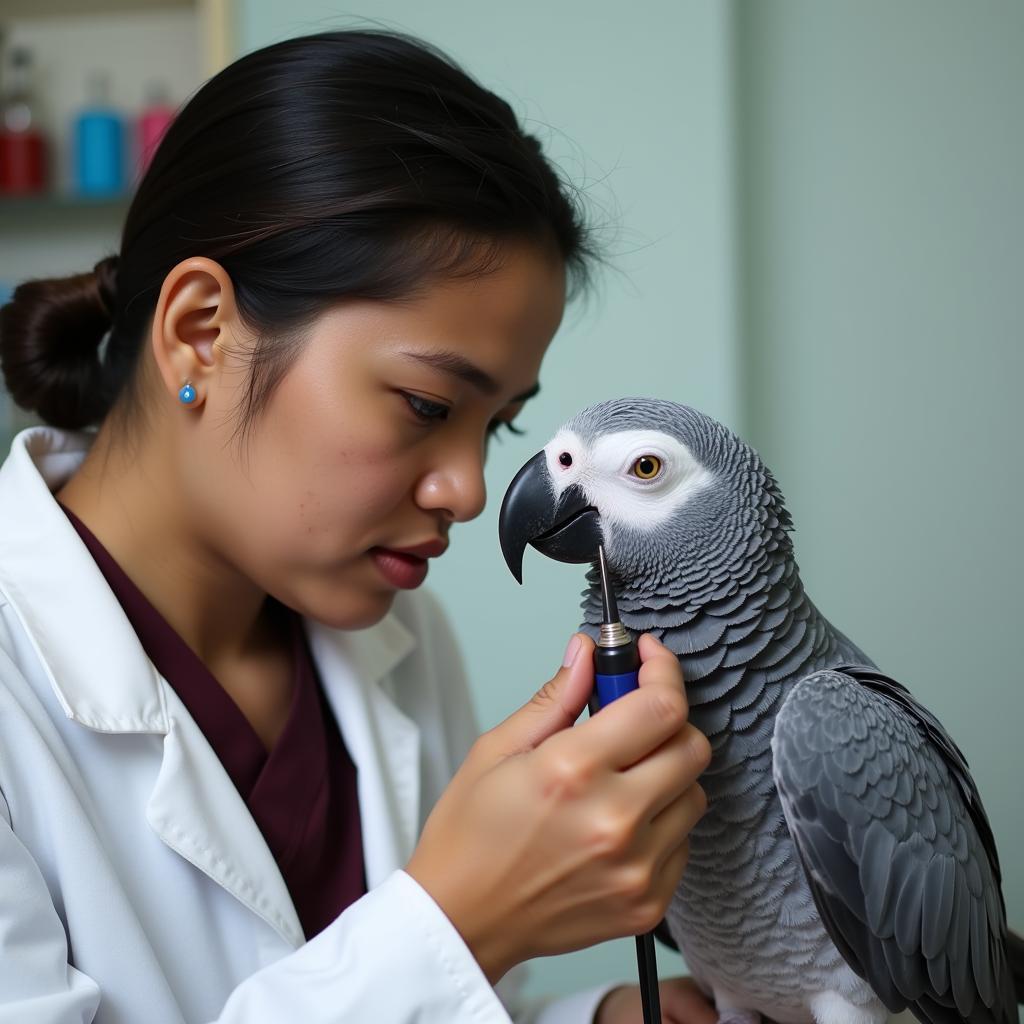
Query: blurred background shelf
x=25, y=212
x=56, y=8
x=138, y=46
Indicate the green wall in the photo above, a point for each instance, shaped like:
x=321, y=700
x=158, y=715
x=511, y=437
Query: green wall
x=882, y=156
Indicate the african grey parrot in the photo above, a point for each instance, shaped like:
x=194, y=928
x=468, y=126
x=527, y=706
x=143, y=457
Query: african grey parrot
x=845, y=866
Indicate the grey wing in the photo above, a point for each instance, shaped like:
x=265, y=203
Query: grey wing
x=896, y=846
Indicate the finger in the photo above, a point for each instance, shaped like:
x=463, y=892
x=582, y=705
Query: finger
x=555, y=706
x=669, y=870
x=682, y=1002
x=620, y=1006
x=676, y=821
x=630, y=728
x=654, y=782
x=653, y=652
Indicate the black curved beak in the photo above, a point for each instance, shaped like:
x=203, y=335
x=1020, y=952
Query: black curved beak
x=568, y=530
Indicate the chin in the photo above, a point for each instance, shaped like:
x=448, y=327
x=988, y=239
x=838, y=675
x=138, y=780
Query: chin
x=359, y=611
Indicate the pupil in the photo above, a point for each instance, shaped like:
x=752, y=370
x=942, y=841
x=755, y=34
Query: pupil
x=646, y=466
x=565, y=459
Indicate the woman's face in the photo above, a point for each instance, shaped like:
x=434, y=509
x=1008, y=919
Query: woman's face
x=375, y=439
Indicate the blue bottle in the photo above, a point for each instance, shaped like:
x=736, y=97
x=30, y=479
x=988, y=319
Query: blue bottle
x=99, y=144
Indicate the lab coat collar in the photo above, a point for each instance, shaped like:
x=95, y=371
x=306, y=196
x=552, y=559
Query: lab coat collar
x=376, y=651
x=96, y=665
x=104, y=680
x=383, y=741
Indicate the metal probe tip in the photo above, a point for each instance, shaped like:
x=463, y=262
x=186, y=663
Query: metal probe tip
x=611, y=611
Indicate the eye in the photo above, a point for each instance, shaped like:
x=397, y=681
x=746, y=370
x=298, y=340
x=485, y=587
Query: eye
x=647, y=467
x=424, y=409
x=565, y=459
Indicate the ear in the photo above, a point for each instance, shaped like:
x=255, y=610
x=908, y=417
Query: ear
x=193, y=325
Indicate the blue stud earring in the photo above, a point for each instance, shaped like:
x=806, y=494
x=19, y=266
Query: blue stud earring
x=187, y=394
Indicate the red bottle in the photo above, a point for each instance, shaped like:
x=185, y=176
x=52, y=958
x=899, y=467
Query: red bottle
x=153, y=122
x=23, y=149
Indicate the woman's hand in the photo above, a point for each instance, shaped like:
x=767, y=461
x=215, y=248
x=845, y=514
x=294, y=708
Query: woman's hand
x=551, y=838
x=682, y=1002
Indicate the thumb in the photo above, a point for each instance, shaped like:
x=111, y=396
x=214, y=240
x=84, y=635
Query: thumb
x=556, y=705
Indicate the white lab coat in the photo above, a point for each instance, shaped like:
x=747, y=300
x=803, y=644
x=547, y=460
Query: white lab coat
x=134, y=884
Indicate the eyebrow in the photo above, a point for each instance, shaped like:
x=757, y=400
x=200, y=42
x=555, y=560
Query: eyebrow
x=458, y=366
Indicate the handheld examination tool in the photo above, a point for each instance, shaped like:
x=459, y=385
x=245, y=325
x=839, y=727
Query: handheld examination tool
x=616, y=659
x=617, y=672
x=566, y=527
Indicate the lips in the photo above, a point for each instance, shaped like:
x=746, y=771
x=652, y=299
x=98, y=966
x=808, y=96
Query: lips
x=429, y=549
x=406, y=568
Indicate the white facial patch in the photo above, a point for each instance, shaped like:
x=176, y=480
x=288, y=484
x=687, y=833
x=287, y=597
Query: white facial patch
x=605, y=473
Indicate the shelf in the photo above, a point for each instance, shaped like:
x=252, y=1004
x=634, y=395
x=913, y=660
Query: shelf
x=19, y=212
x=60, y=204
x=175, y=44
x=214, y=19
x=61, y=8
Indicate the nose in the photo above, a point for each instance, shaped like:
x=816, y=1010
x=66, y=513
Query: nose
x=454, y=484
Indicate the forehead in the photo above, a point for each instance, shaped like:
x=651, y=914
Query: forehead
x=501, y=322
x=512, y=310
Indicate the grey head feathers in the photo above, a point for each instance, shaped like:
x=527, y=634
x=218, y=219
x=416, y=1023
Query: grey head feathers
x=707, y=514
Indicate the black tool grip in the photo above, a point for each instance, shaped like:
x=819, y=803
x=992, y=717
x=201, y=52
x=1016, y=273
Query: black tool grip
x=616, y=661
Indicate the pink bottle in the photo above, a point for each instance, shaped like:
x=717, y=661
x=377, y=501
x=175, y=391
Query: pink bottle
x=154, y=120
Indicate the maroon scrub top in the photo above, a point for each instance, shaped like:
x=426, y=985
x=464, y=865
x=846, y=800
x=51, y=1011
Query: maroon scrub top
x=302, y=794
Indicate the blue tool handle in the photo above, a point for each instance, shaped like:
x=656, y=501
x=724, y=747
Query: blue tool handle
x=610, y=688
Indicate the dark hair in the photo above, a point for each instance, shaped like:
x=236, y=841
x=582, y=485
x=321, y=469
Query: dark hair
x=347, y=164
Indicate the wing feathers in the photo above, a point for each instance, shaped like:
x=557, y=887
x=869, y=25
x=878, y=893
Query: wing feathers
x=896, y=846
x=938, y=972
x=937, y=906
x=876, y=874
x=958, y=945
x=908, y=912
x=980, y=954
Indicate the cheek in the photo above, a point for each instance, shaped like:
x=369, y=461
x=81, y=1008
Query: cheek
x=350, y=486
x=292, y=519
x=326, y=469
x=340, y=469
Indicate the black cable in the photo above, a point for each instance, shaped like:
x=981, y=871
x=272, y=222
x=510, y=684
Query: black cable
x=647, y=969
x=617, y=664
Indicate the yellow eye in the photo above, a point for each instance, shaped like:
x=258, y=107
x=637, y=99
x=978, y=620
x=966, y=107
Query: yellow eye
x=647, y=467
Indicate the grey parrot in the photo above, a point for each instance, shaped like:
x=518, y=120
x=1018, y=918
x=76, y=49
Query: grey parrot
x=845, y=867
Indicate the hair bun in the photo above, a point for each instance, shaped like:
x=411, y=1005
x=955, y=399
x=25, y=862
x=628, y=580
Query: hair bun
x=106, y=283
x=50, y=335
